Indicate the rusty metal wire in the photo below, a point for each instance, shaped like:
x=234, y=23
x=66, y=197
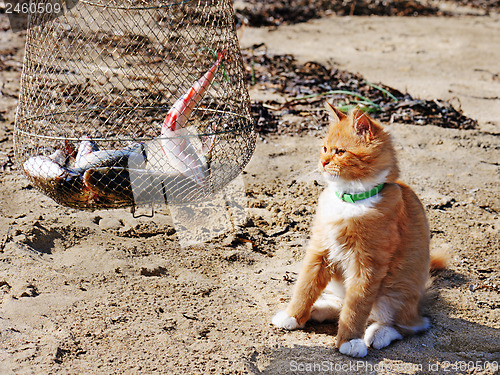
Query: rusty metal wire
x=108, y=71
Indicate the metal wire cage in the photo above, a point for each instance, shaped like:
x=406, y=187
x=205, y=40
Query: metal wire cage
x=99, y=79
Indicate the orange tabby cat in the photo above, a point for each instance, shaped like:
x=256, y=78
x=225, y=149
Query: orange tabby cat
x=368, y=257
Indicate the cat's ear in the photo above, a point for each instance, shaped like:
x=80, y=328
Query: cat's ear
x=335, y=114
x=363, y=125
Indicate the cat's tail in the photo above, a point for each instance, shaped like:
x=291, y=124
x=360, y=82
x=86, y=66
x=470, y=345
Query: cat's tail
x=440, y=258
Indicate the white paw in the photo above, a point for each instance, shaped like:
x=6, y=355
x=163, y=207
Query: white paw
x=283, y=320
x=354, y=348
x=379, y=336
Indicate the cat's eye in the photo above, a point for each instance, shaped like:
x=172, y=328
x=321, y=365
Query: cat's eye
x=324, y=149
x=339, y=152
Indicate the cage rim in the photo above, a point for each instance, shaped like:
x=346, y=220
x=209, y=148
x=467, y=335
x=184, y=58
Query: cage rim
x=129, y=139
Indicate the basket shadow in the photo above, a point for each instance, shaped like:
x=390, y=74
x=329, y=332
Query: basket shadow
x=42, y=239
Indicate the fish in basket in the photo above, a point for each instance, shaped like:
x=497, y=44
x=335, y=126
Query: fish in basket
x=165, y=169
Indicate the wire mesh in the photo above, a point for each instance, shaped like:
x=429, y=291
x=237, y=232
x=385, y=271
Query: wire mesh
x=98, y=81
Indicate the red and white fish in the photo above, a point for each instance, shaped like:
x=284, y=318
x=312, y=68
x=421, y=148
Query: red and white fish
x=177, y=139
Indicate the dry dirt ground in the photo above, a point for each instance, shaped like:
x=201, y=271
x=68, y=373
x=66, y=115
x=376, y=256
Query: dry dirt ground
x=104, y=293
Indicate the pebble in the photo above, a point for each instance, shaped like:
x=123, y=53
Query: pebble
x=110, y=223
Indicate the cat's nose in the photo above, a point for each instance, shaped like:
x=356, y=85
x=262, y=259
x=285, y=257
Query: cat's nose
x=324, y=163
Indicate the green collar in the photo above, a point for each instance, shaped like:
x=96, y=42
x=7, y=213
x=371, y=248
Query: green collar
x=352, y=198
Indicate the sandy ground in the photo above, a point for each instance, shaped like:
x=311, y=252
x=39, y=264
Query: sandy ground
x=104, y=293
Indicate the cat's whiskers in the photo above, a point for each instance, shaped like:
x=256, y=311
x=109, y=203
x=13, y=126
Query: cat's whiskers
x=309, y=172
x=306, y=174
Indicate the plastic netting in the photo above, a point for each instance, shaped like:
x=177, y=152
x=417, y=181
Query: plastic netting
x=98, y=81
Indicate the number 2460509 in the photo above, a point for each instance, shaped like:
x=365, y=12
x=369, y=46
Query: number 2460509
x=26, y=8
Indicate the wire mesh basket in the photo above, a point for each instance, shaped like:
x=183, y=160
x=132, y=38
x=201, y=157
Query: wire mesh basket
x=130, y=102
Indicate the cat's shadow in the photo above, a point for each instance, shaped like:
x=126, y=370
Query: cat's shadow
x=450, y=343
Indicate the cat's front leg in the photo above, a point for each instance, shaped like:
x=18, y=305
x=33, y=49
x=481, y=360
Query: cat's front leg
x=358, y=302
x=312, y=280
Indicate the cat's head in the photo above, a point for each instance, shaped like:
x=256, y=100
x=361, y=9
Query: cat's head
x=357, y=148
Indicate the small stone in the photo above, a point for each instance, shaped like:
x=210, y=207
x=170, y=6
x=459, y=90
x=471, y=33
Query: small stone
x=229, y=241
x=30, y=291
x=110, y=223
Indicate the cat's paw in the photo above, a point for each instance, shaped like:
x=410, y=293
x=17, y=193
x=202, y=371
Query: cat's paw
x=379, y=336
x=285, y=321
x=354, y=348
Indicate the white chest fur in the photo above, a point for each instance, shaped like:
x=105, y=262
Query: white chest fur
x=332, y=209
x=332, y=213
